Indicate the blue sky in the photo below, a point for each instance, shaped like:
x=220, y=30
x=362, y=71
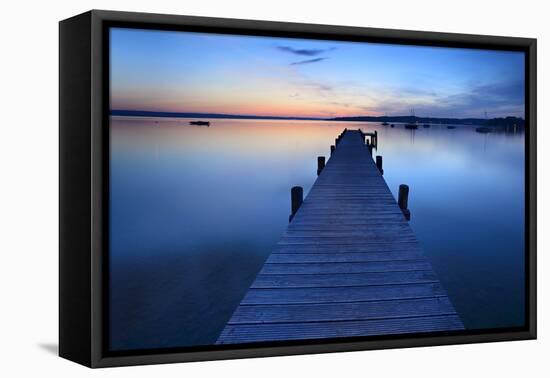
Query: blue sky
x=197, y=72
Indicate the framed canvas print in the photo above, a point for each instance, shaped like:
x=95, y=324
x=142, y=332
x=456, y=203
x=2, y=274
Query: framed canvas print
x=234, y=188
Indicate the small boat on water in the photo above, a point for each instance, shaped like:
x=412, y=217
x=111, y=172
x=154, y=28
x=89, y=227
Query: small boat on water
x=385, y=123
x=451, y=127
x=200, y=123
x=483, y=130
x=412, y=125
x=392, y=125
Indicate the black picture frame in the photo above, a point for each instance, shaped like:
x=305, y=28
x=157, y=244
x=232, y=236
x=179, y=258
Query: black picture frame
x=84, y=170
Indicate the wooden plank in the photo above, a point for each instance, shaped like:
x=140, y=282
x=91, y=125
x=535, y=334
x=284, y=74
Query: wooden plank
x=347, y=265
x=344, y=311
x=342, y=279
x=345, y=248
x=342, y=294
x=356, y=233
x=339, y=241
x=250, y=333
x=289, y=258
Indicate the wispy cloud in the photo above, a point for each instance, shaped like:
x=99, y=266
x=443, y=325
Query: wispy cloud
x=411, y=91
x=499, y=98
x=340, y=104
x=495, y=98
x=308, y=61
x=304, y=52
x=316, y=85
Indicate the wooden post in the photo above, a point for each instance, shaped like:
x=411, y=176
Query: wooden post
x=332, y=148
x=376, y=139
x=403, y=200
x=320, y=164
x=369, y=147
x=379, y=163
x=296, y=199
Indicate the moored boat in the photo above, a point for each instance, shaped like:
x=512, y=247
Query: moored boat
x=412, y=125
x=385, y=123
x=483, y=130
x=200, y=123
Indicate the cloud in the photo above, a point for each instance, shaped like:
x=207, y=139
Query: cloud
x=498, y=99
x=304, y=52
x=417, y=92
x=316, y=85
x=308, y=61
x=341, y=104
x=493, y=94
x=495, y=98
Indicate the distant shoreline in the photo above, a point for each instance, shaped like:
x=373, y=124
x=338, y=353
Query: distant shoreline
x=508, y=121
x=145, y=113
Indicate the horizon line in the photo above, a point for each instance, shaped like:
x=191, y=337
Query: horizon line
x=261, y=116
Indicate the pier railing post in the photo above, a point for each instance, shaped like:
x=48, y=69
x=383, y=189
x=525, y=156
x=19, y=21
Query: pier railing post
x=403, y=200
x=379, y=164
x=320, y=164
x=296, y=199
x=369, y=147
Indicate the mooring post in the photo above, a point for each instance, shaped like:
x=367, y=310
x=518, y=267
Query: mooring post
x=376, y=139
x=379, y=164
x=332, y=148
x=296, y=199
x=369, y=147
x=320, y=164
x=403, y=200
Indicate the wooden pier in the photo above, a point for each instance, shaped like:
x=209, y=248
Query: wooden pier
x=348, y=264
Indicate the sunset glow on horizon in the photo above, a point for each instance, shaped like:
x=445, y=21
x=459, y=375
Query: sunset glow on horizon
x=265, y=76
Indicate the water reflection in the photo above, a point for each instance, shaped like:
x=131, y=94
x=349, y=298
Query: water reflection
x=196, y=210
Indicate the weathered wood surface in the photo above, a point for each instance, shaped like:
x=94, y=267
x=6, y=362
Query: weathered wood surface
x=348, y=265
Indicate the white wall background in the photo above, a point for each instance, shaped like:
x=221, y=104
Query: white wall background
x=29, y=189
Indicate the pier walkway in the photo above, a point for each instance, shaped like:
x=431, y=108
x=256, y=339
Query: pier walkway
x=348, y=265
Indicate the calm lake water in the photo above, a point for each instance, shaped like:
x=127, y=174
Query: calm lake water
x=196, y=210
